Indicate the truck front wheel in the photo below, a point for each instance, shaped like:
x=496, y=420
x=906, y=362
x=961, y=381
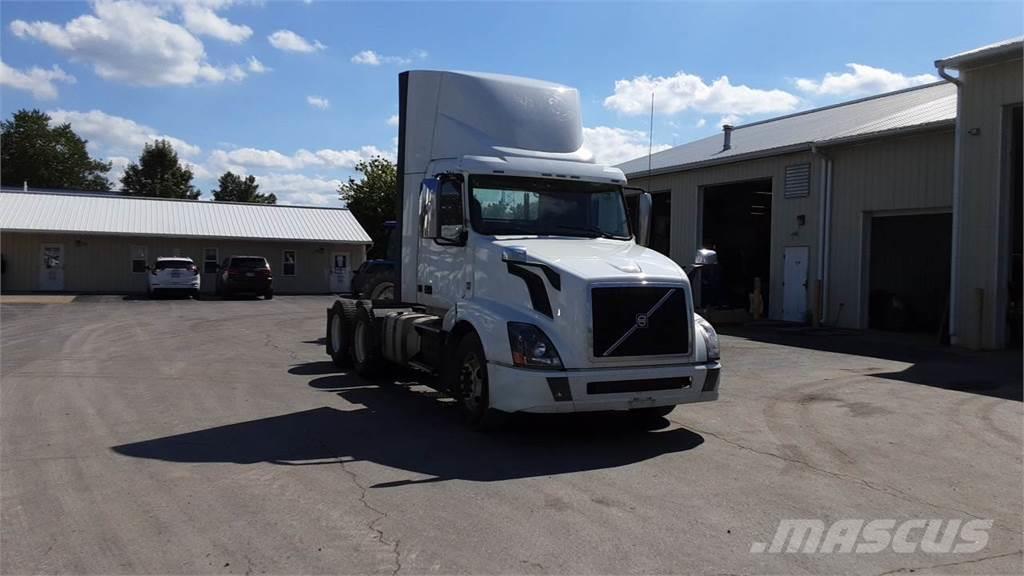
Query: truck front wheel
x=470, y=387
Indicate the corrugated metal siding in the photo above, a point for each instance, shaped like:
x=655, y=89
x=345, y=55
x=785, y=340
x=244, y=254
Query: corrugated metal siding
x=95, y=263
x=111, y=214
x=914, y=106
x=686, y=213
x=913, y=172
x=986, y=92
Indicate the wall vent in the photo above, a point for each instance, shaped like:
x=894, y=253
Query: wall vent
x=798, y=181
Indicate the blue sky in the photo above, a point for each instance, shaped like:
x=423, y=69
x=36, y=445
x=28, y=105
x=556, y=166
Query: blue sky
x=297, y=92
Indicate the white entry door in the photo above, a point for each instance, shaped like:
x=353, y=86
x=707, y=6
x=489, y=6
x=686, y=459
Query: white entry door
x=794, y=288
x=341, y=274
x=51, y=267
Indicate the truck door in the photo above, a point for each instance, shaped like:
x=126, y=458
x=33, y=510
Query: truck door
x=443, y=263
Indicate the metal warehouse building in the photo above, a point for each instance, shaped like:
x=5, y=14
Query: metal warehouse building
x=74, y=242
x=897, y=212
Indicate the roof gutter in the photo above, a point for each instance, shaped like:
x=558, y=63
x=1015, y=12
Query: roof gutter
x=67, y=232
x=954, y=267
x=767, y=153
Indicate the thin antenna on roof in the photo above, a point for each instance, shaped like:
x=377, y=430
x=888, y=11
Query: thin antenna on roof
x=650, y=145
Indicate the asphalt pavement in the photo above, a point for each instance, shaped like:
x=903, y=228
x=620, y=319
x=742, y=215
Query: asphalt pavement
x=180, y=437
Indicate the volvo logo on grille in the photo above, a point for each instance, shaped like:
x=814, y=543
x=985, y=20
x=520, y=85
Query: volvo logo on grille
x=641, y=320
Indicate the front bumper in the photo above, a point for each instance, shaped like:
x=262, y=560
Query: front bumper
x=600, y=389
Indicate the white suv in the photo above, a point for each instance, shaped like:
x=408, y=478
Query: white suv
x=180, y=274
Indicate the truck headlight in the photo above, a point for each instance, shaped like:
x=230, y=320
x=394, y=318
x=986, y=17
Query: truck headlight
x=531, y=348
x=710, y=337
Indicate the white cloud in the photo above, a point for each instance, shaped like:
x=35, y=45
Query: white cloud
x=203, y=20
x=257, y=67
x=371, y=58
x=701, y=123
x=730, y=119
x=318, y=102
x=861, y=81
x=291, y=42
x=393, y=120
x=242, y=159
x=617, y=145
x=39, y=81
x=673, y=94
x=129, y=42
x=111, y=136
x=117, y=166
x=300, y=189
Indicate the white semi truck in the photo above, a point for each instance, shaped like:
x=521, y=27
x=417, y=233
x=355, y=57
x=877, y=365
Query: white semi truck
x=520, y=282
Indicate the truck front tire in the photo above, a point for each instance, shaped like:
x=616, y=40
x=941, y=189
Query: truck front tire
x=467, y=381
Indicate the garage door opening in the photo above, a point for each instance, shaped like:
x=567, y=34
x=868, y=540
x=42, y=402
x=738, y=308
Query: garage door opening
x=908, y=275
x=737, y=223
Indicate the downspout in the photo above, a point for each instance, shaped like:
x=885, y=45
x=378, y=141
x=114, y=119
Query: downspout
x=824, y=230
x=954, y=264
x=820, y=296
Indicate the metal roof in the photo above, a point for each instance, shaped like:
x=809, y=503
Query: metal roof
x=921, y=106
x=1014, y=47
x=134, y=216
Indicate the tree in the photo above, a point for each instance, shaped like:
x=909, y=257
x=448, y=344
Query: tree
x=232, y=188
x=372, y=199
x=159, y=174
x=47, y=156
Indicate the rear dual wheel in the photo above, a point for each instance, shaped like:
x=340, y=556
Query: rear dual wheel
x=339, y=333
x=366, y=357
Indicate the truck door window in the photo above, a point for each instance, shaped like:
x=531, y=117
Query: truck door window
x=450, y=215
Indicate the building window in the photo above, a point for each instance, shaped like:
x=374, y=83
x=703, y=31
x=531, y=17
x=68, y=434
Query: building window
x=288, y=263
x=138, y=259
x=209, y=260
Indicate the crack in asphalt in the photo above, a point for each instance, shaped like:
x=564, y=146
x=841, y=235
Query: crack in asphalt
x=381, y=515
x=894, y=492
x=269, y=342
x=948, y=564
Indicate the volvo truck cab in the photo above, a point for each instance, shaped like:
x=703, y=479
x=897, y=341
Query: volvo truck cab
x=521, y=282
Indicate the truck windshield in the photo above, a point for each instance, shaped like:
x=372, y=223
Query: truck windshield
x=506, y=205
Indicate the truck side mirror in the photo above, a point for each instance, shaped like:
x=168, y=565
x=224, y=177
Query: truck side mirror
x=428, y=207
x=643, y=219
x=704, y=257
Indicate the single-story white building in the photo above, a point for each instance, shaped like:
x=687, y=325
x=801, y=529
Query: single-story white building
x=82, y=242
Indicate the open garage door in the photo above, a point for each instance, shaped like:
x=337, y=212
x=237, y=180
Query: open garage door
x=908, y=275
x=736, y=221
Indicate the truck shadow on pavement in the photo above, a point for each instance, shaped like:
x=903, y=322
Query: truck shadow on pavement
x=412, y=428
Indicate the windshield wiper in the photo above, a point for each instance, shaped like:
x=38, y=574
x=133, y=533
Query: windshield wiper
x=593, y=231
